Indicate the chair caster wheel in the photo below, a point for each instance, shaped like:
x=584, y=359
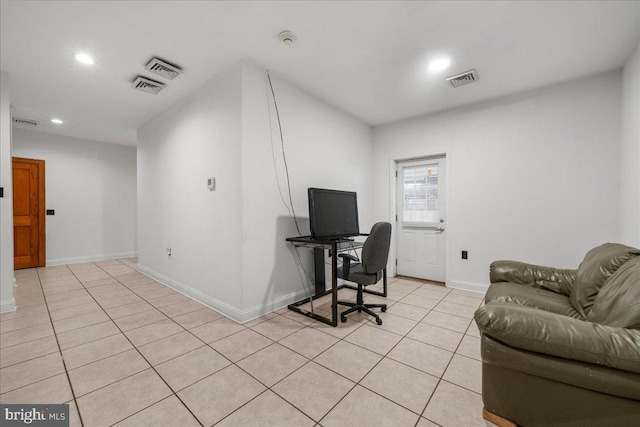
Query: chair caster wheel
x=383, y=308
x=343, y=319
x=379, y=321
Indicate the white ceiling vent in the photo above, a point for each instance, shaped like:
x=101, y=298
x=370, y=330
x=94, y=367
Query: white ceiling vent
x=463, y=78
x=147, y=85
x=27, y=122
x=163, y=68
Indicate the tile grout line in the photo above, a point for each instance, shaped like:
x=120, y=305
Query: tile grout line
x=373, y=367
x=308, y=360
x=30, y=341
x=356, y=383
x=363, y=323
x=141, y=355
x=64, y=364
x=267, y=388
x=440, y=380
x=207, y=376
x=420, y=415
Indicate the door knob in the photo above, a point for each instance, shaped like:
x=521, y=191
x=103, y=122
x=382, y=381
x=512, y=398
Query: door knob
x=441, y=220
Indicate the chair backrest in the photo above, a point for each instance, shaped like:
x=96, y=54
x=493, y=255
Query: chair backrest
x=376, y=248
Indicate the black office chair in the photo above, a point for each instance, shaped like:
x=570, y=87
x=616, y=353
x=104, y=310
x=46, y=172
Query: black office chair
x=368, y=271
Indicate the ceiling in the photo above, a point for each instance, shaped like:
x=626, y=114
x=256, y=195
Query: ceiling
x=368, y=59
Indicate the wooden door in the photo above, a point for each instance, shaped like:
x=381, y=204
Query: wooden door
x=28, y=213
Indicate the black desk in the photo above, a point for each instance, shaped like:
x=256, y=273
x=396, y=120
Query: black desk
x=335, y=247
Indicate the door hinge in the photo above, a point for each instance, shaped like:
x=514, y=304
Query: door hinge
x=396, y=174
x=396, y=218
x=396, y=261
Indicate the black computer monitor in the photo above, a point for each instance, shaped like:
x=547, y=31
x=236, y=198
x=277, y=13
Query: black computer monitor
x=332, y=213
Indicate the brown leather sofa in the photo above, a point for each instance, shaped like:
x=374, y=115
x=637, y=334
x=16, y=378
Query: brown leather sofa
x=562, y=347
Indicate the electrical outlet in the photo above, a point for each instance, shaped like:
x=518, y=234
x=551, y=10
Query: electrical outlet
x=465, y=255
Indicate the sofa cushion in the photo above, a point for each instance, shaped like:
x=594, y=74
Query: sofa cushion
x=589, y=376
x=549, y=333
x=554, y=279
x=618, y=303
x=531, y=297
x=598, y=265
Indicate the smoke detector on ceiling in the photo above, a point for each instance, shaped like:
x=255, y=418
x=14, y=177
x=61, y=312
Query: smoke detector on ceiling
x=287, y=37
x=462, y=79
x=147, y=85
x=163, y=68
x=28, y=122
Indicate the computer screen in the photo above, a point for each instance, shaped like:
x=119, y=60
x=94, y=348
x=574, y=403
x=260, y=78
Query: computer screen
x=333, y=213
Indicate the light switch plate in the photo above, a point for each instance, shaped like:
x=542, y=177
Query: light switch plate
x=211, y=183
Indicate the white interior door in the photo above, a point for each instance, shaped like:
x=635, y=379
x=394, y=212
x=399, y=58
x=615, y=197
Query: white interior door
x=421, y=219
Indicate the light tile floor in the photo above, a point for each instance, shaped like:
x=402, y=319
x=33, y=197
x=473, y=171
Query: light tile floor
x=123, y=349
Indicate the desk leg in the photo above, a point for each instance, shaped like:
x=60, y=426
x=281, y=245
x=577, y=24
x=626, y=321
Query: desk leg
x=334, y=284
x=384, y=282
x=318, y=265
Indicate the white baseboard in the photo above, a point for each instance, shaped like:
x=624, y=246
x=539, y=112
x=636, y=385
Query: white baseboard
x=90, y=258
x=273, y=305
x=468, y=286
x=233, y=313
x=8, y=306
x=15, y=283
x=219, y=306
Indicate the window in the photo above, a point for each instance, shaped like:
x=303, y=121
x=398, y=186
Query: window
x=420, y=194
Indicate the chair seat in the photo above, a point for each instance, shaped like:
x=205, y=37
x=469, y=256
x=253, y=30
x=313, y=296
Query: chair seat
x=358, y=275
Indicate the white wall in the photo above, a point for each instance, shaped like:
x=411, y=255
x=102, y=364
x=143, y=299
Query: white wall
x=325, y=148
x=228, y=246
x=92, y=188
x=630, y=152
x=534, y=176
x=7, y=303
x=177, y=151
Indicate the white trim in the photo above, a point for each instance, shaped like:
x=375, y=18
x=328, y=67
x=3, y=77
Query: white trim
x=392, y=269
x=270, y=306
x=90, y=258
x=233, y=313
x=8, y=306
x=468, y=286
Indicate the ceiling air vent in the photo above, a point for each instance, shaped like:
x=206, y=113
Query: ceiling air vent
x=163, y=68
x=463, y=78
x=27, y=122
x=147, y=85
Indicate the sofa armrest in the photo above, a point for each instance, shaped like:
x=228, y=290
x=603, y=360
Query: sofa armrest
x=549, y=333
x=554, y=279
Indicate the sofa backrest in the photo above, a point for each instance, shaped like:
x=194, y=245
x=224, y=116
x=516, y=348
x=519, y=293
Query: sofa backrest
x=599, y=264
x=618, y=302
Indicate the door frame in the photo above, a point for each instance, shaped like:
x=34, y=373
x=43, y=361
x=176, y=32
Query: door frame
x=42, y=231
x=393, y=206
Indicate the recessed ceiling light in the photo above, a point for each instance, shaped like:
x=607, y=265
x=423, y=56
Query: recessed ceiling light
x=57, y=121
x=84, y=58
x=439, y=64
